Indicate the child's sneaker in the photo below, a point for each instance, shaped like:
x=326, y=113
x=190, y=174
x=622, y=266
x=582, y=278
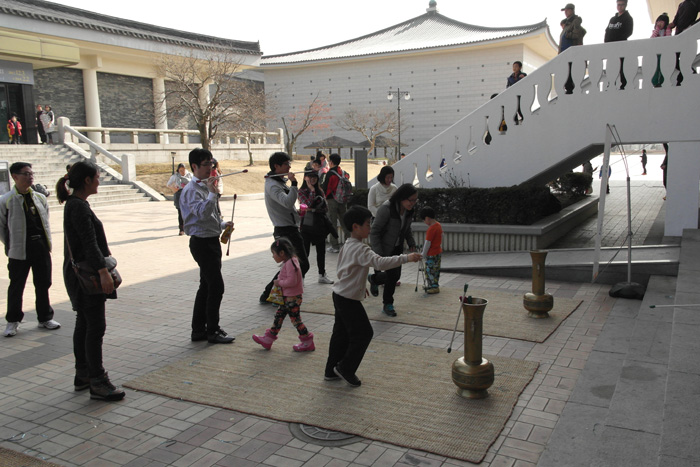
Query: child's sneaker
x=433, y=290
x=389, y=310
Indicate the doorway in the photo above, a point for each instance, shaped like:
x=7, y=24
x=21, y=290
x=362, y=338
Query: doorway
x=12, y=102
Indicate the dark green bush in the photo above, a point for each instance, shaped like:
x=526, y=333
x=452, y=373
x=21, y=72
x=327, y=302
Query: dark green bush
x=573, y=184
x=517, y=205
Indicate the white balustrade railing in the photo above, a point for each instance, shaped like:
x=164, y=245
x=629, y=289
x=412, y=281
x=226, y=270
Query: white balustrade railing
x=162, y=136
x=562, y=109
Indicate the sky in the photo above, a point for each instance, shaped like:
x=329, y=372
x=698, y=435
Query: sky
x=284, y=26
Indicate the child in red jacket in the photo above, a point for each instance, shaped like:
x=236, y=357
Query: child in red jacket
x=292, y=284
x=14, y=129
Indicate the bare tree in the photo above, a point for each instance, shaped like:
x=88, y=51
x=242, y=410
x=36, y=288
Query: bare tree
x=313, y=116
x=249, y=117
x=203, y=89
x=370, y=124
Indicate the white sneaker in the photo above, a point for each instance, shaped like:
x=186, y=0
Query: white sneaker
x=50, y=324
x=323, y=279
x=330, y=249
x=11, y=329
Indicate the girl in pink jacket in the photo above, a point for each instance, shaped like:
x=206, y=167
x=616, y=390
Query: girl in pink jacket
x=291, y=282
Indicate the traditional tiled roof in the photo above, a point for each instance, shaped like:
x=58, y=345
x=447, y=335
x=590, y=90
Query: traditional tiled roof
x=75, y=17
x=426, y=31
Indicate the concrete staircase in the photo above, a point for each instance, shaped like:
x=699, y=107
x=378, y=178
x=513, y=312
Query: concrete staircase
x=636, y=403
x=49, y=163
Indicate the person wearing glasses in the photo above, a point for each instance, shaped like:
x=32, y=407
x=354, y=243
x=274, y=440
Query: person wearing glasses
x=26, y=234
x=621, y=25
x=203, y=224
x=390, y=229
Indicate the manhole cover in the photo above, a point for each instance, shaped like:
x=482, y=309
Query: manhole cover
x=321, y=436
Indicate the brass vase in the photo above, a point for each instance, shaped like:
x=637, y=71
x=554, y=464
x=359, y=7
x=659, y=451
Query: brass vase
x=472, y=373
x=538, y=303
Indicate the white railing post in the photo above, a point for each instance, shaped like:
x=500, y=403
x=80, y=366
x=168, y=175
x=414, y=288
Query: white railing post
x=128, y=167
x=63, y=122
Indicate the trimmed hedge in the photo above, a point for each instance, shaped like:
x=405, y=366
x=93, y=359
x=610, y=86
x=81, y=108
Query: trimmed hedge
x=517, y=205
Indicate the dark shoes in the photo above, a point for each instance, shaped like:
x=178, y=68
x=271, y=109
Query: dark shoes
x=220, y=337
x=81, y=383
x=352, y=380
x=102, y=389
x=332, y=377
x=199, y=336
x=373, y=287
x=389, y=310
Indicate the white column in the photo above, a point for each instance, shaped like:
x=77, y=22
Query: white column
x=92, y=103
x=160, y=110
x=682, y=183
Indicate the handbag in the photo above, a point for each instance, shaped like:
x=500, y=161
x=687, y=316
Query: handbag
x=89, y=278
x=308, y=224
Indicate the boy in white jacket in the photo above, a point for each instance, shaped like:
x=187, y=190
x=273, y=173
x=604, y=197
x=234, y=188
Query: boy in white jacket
x=352, y=331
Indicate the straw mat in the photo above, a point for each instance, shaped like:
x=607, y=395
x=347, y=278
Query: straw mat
x=504, y=316
x=10, y=458
x=407, y=397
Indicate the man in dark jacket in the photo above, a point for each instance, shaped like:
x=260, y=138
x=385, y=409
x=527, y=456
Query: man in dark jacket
x=685, y=15
x=572, y=32
x=621, y=25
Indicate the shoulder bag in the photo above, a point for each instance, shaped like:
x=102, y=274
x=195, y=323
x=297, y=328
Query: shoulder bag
x=89, y=278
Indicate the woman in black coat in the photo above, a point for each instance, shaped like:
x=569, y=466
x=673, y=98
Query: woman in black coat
x=390, y=229
x=85, y=240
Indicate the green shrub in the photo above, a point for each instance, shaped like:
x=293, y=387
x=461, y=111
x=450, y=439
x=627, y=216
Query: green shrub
x=573, y=184
x=517, y=205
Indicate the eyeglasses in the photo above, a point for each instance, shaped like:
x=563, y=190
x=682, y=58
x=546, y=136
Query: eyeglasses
x=26, y=174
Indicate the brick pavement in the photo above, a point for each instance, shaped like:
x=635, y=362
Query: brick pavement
x=148, y=327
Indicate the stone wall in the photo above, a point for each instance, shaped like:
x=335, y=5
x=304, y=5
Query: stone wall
x=125, y=101
x=62, y=89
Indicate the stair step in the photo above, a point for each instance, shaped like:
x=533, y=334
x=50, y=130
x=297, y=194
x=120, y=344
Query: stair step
x=680, y=429
x=49, y=163
x=613, y=415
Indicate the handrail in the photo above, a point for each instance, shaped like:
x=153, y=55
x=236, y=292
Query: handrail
x=94, y=147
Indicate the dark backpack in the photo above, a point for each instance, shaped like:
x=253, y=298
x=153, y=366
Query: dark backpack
x=343, y=192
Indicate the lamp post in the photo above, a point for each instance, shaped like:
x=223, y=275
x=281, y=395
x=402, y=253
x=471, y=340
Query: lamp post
x=399, y=94
x=172, y=154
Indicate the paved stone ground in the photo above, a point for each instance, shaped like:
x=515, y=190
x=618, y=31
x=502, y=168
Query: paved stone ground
x=148, y=327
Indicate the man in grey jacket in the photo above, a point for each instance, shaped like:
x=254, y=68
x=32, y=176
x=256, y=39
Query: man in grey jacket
x=280, y=201
x=25, y=232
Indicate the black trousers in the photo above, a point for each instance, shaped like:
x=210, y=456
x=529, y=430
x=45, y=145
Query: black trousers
x=389, y=278
x=90, y=326
x=39, y=261
x=294, y=236
x=320, y=242
x=352, y=333
x=207, y=253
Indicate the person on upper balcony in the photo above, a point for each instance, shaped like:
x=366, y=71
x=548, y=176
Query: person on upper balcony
x=686, y=15
x=621, y=25
x=661, y=27
x=572, y=32
x=517, y=74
